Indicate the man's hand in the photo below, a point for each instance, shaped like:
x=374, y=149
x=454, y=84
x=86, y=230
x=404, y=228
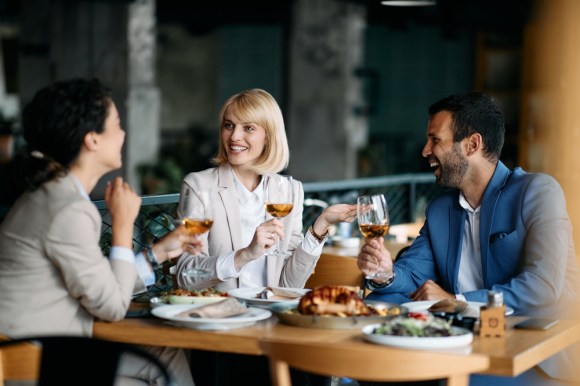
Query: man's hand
x=430, y=291
x=373, y=257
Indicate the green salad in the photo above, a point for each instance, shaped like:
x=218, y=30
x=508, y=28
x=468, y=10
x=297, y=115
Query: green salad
x=416, y=324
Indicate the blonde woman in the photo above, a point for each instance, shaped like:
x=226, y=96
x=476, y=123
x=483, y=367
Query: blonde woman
x=252, y=145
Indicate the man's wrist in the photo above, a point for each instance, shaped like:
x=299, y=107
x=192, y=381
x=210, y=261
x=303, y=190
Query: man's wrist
x=460, y=297
x=374, y=286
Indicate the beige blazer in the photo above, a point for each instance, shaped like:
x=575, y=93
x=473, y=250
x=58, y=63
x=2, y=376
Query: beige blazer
x=225, y=234
x=53, y=277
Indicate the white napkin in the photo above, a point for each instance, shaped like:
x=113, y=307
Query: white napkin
x=224, y=309
x=282, y=293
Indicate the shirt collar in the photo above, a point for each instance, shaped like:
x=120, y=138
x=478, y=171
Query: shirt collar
x=243, y=193
x=465, y=205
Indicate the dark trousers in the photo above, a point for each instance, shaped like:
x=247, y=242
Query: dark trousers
x=413, y=383
x=223, y=369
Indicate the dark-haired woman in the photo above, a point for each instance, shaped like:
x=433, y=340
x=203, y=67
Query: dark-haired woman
x=54, y=278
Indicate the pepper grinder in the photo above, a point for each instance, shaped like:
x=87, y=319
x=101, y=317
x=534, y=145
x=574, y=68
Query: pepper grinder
x=492, y=316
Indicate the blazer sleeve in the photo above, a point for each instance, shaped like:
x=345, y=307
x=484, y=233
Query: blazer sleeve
x=72, y=244
x=413, y=268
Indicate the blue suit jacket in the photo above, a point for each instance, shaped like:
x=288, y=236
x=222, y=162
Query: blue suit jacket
x=526, y=245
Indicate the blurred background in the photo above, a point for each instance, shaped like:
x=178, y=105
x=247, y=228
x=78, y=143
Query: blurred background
x=354, y=78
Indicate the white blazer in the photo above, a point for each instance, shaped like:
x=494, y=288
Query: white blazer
x=225, y=234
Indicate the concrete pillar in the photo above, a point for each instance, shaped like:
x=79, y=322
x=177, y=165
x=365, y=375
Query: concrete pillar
x=112, y=41
x=143, y=100
x=325, y=120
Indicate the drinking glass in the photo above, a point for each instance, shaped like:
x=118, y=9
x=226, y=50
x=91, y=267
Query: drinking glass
x=197, y=225
x=279, y=201
x=373, y=221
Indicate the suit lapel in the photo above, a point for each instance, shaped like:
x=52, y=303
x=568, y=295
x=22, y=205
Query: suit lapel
x=490, y=197
x=227, y=192
x=456, y=221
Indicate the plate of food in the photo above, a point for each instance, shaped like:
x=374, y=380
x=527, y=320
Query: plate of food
x=417, y=331
x=449, y=305
x=267, y=296
x=183, y=296
x=214, y=316
x=335, y=307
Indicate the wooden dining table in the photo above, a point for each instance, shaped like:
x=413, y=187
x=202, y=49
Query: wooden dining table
x=516, y=352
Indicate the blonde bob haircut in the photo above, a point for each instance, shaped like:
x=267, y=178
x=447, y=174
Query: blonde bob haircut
x=259, y=107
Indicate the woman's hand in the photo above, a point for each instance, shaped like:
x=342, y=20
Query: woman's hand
x=123, y=204
x=374, y=257
x=264, y=239
x=332, y=215
x=174, y=243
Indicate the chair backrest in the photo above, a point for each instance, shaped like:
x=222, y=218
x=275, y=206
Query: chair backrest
x=406, y=231
x=19, y=361
x=335, y=270
x=369, y=363
x=68, y=360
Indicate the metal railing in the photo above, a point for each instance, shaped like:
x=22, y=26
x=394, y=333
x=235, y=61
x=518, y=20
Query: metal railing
x=407, y=195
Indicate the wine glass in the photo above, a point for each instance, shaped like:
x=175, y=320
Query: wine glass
x=279, y=201
x=373, y=221
x=197, y=224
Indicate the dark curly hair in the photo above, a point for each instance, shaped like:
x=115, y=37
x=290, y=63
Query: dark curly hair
x=54, y=124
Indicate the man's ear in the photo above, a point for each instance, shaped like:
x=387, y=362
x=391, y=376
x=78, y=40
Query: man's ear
x=474, y=144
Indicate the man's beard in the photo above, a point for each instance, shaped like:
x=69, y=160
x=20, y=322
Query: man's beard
x=453, y=168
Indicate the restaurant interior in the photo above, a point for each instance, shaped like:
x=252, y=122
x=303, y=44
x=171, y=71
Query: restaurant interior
x=354, y=79
x=359, y=72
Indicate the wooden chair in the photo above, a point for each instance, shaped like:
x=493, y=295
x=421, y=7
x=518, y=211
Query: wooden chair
x=370, y=363
x=335, y=270
x=20, y=362
x=406, y=231
x=68, y=360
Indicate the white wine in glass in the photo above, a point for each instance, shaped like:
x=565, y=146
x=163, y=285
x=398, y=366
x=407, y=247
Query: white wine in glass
x=372, y=231
x=373, y=221
x=279, y=201
x=197, y=225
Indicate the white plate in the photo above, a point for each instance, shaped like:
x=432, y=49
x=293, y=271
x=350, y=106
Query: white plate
x=178, y=299
x=248, y=295
x=463, y=338
x=472, y=307
x=169, y=312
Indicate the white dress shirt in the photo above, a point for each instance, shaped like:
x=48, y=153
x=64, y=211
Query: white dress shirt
x=470, y=269
x=252, y=214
